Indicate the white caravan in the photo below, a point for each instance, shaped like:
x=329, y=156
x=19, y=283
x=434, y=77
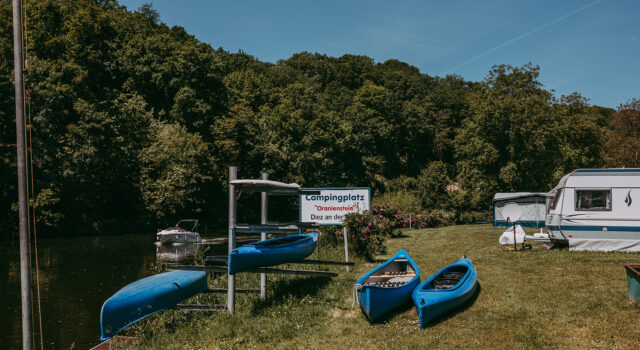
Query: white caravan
x=596, y=209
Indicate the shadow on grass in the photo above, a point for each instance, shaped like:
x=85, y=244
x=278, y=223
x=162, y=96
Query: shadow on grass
x=460, y=309
x=388, y=317
x=290, y=288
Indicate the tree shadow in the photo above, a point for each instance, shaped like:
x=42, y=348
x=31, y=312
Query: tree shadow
x=290, y=288
x=460, y=309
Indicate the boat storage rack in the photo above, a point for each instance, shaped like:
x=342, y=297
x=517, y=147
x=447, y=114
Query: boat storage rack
x=265, y=187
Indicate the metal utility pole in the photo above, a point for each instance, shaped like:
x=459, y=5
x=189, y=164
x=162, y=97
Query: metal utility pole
x=231, y=282
x=25, y=260
x=264, y=208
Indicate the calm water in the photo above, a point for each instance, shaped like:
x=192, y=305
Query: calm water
x=76, y=276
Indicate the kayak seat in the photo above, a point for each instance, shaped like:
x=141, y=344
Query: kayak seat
x=448, y=279
x=398, y=271
x=444, y=283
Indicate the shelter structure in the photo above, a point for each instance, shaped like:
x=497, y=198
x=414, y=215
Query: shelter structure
x=532, y=205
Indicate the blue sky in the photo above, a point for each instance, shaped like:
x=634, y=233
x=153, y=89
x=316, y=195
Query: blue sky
x=588, y=46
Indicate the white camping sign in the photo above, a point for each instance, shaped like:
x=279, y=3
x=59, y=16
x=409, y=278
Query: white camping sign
x=332, y=204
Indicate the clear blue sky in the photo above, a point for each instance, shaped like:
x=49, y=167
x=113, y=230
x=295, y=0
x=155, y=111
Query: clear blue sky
x=588, y=46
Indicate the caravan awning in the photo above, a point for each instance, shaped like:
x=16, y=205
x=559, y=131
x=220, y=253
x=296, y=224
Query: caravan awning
x=517, y=195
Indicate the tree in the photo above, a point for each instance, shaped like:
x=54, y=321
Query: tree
x=431, y=186
x=507, y=143
x=622, y=144
x=175, y=170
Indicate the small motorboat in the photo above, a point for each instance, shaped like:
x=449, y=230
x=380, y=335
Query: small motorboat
x=178, y=234
x=273, y=251
x=388, y=286
x=447, y=289
x=177, y=252
x=147, y=296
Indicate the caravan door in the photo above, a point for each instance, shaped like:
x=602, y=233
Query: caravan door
x=553, y=219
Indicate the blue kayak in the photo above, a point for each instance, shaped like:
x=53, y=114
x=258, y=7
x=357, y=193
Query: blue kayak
x=273, y=251
x=147, y=296
x=449, y=288
x=388, y=286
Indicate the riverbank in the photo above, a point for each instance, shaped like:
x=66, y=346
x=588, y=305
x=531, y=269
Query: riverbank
x=527, y=300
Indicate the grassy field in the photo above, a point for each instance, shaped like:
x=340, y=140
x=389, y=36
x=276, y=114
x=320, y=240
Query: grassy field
x=552, y=299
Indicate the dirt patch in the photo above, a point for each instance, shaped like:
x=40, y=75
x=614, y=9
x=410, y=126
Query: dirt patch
x=351, y=313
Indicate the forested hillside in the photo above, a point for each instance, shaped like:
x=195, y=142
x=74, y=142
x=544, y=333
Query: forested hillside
x=134, y=124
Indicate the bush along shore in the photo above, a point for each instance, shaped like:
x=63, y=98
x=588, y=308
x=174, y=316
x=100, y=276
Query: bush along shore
x=369, y=231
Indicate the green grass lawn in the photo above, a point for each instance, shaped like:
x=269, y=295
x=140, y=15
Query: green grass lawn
x=527, y=300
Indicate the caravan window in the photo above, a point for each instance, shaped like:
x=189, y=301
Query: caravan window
x=556, y=197
x=593, y=199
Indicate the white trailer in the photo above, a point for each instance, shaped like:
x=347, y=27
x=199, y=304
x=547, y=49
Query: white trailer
x=596, y=209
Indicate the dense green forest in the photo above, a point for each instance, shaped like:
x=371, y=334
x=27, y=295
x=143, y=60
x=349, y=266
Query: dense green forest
x=134, y=124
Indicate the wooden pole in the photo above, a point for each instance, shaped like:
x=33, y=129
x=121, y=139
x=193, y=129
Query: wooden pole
x=264, y=208
x=346, y=246
x=25, y=260
x=231, y=284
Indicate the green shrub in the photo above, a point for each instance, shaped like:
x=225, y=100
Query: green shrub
x=444, y=215
x=465, y=218
x=367, y=234
x=369, y=230
x=405, y=201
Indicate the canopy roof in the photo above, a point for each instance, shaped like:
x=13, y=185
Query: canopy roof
x=517, y=195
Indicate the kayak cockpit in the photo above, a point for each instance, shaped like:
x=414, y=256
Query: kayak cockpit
x=449, y=278
x=396, y=273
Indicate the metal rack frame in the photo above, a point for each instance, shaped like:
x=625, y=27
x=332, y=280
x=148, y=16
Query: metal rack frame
x=266, y=187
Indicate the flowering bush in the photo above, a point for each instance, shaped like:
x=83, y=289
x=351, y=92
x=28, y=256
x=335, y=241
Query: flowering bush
x=369, y=231
x=398, y=220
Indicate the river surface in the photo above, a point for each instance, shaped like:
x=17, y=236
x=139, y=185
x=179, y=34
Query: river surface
x=76, y=276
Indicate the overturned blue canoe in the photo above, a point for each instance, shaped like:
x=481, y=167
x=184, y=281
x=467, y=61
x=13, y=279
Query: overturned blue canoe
x=273, y=251
x=447, y=289
x=147, y=296
x=388, y=286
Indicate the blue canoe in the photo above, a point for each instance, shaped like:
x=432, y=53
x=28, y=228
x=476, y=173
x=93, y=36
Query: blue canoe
x=273, y=251
x=449, y=288
x=147, y=296
x=388, y=286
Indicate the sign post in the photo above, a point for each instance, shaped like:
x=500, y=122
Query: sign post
x=346, y=246
x=332, y=205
